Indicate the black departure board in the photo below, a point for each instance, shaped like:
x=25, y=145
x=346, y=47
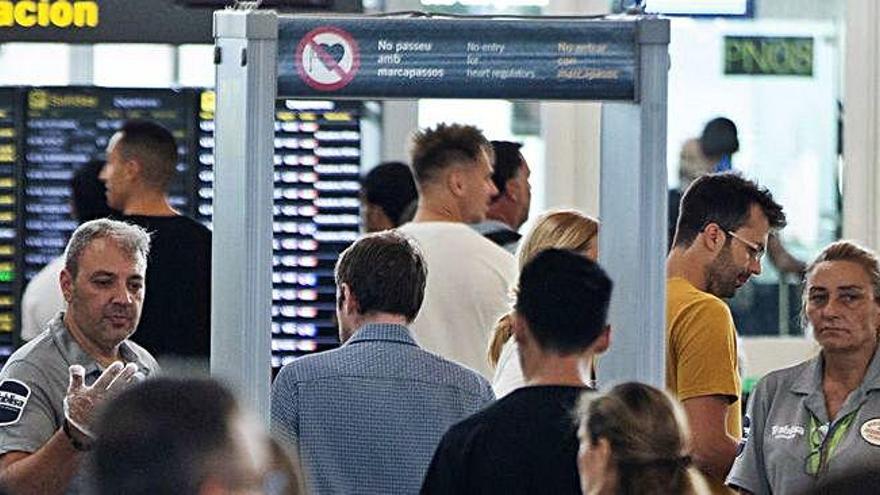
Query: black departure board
x=9, y=141
x=66, y=127
x=316, y=214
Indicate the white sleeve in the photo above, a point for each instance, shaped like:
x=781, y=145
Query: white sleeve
x=508, y=374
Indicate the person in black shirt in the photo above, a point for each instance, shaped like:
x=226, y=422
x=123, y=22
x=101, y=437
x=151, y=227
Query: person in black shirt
x=527, y=441
x=141, y=163
x=388, y=197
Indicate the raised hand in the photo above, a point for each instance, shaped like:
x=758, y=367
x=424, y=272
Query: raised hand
x=82, y=401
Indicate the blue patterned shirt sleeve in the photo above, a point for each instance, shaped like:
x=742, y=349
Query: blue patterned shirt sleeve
x=284, y=409
x=487, y=395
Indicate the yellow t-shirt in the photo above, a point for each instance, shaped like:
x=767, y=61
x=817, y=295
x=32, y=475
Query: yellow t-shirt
x=701, y=352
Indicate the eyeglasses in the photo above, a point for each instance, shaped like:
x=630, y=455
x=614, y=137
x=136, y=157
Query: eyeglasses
x=755, y=251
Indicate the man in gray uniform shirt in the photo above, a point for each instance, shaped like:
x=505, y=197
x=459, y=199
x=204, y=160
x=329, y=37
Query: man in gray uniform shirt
x=50, y=388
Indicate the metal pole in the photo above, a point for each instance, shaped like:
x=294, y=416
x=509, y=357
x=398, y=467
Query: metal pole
x=633, y=200
x=82, y=65
x=245, y=55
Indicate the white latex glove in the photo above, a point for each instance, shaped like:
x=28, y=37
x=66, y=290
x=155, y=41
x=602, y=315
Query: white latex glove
x=82, y=401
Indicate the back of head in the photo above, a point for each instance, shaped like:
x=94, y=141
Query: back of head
x=163, y=436
x=154, y=147
x=725, y=199
x=446, y=145
x=719, y=138
x=508, y=161
x=561, y=229
x=390, y=186
x=692, y=162
x=648, y=434
x=564, y=298
x=386, y=273
x=89, y=194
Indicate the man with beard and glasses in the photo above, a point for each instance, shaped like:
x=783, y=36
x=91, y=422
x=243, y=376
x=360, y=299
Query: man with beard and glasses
x=51, y=387
x=720, y=239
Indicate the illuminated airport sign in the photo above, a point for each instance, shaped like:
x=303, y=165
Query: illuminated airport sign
x=43, y=13
x=128, y=21
x=768, y=56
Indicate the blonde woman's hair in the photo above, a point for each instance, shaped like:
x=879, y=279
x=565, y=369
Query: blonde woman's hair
x=648, y=435
x=561, y=229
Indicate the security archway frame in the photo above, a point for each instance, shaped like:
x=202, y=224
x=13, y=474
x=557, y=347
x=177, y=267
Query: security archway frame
x=632, y=192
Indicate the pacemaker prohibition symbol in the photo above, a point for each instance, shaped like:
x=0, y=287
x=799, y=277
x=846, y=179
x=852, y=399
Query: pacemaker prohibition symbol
x=327, y=58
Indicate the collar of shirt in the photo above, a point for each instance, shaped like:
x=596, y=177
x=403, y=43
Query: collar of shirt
x=809, y=383
x=74, y=354
x=490, y=225
x=382, y=332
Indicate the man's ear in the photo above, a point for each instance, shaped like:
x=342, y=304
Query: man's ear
x=603, y=341
x=134, y=168
x=713, y=237
x=65, y=280
x=455, y=181
x=347, y=302
x=512, y=190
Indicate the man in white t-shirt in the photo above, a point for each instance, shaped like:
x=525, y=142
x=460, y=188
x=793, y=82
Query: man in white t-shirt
x=468, y=276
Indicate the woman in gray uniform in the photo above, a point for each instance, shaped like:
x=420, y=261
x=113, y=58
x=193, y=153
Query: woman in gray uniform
x=821, y=418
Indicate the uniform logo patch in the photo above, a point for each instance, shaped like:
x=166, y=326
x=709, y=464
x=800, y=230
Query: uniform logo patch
x=786, y=432
x=871, y=431
x=13, y=397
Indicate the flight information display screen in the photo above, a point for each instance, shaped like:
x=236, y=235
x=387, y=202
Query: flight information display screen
x=317, y=167
x=66, y=128
x=9, y=139
x=47, y=133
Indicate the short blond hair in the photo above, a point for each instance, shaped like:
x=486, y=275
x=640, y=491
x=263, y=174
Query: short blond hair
x=447, y=145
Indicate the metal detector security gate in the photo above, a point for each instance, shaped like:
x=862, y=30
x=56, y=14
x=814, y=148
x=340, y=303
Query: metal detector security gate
x=621, y=60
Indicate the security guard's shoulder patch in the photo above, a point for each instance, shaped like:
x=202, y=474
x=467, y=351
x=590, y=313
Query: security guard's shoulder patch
x=13, y=397
x=747, y=432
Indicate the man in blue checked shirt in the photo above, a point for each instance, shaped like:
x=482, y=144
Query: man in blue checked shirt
x=366, y=417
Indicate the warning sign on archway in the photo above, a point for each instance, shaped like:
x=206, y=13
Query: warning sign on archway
x=327, y=58
x=378, y=57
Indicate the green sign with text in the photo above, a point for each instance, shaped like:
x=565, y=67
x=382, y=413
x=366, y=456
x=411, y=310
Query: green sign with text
x=768, y=56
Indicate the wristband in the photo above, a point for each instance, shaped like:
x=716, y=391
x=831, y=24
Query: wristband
x=77, y=445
